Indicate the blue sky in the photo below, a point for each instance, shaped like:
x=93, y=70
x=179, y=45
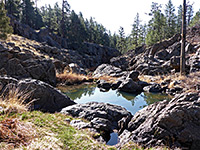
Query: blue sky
x=115, y=13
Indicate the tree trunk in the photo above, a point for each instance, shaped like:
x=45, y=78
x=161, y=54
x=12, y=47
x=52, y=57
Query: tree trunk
x=183, y=40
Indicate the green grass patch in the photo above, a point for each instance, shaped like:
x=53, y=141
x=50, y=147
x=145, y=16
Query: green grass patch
x=53, y=132
x=57, y=133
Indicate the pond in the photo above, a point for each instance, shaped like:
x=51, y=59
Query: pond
x=90, y=92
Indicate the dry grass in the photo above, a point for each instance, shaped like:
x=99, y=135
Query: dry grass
x=12, y=131
x=24, y=43
x=71, y=78
x=109, y=79
x=12, y=100
x=190, y=83
x=15, y=133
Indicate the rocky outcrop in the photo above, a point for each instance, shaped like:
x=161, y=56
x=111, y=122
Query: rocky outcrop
x=163, y=45
x=21, y=63
x=103, y=117
x=88, y=55
x=161, y=58
x=194, y=62
x=128, y=82
x=193, y=34
x=172, y=123
x=46, y=98
x=108, y=70
x=130, y=86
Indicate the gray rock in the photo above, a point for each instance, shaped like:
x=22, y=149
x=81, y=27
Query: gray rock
x=80, y=124
x=154, y=88
x=128, y=85
x=174, y=123
x=108, y=70
x=27, y=65
x=175, y=62
x=74, y=68
x=103, y=84
x=134, y=75
x=120, y=62
x=47, y=98
x=103, y=116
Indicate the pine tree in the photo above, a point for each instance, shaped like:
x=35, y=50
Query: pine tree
x=157, y=25
x=85, y=27
x=13, y=7
x=135, y=33
x=28, y=13
x=183, y=40
x=5, y=29
x=64, y=21
x=38, y=19
x=189, y=12
x=195, y=19
x=57, y=16
x=75, y=32
x=121, y=42
x=179, y=19
x=113, y=40
x=92, y=31
x=142, y=34
x=170, y=19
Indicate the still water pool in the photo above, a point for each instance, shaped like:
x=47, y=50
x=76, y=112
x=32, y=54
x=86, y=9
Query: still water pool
x=90, y=92
x=133, y=103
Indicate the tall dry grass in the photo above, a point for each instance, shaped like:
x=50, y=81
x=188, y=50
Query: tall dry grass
x=72, y=78
x=189, y=82
x=15, y=133
x=12, y=131
x=13, y=100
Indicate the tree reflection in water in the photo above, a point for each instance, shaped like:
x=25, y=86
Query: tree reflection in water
x=89, y=92
x=77, y=91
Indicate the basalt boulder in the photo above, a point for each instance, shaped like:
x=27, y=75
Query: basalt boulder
x=174, y=123
x=46, y=98
x=25, y=64
x=108, y=70
x=102, y=116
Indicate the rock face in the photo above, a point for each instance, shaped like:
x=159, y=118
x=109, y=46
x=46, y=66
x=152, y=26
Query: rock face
x=161, y=58
x=20, y=64
x=88, y=55
x=108, y=70
x=102, y=116
x=174, y=123
x=128, y=85
x=194, y=62
x=47, y=98
x=128, y=82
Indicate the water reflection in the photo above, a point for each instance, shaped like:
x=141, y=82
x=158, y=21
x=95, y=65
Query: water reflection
x=89, y=92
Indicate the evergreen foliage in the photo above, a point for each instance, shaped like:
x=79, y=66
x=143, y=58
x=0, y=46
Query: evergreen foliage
x=189, y=12
x=170, y=19
x=13, y=7
x=38, y=19
x=121, y=42
x=179, y=19
x=66, y=23
x=157, y=25
x=28, y=13
x=5, y=28
x=196, y=19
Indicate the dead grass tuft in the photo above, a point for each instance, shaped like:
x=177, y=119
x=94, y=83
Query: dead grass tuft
x=72, y=78
x=12, y=100
x=190, y=83
x=16, y=133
